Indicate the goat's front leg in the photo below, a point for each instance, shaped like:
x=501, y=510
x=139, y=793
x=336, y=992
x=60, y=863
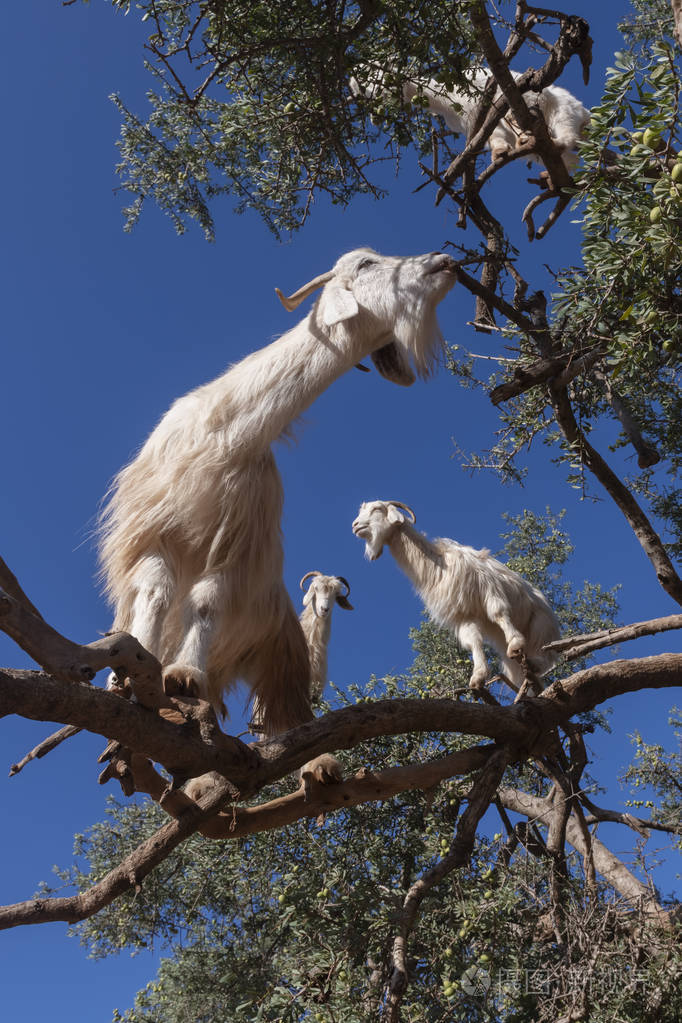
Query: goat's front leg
x=201, y=612
x=471, y=638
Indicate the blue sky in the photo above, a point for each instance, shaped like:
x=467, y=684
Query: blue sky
x=103, y=330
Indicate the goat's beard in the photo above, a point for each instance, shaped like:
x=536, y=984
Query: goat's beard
x=373, y=549
x=418, y=337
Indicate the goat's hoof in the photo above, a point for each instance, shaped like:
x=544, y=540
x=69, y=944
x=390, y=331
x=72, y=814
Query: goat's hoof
x=184, y=680
x=326, y=770
x=478, y=680
x=516, y=650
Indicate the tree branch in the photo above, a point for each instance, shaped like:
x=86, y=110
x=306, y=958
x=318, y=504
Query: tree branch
x=608, y=865
x=129, y=873
x=480, y=797
x=571, y=647
x=637, y=520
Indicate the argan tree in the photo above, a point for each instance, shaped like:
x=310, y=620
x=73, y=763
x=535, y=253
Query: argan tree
x=414, y=901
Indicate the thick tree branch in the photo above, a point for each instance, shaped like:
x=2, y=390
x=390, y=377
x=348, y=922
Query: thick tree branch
x=70, y=662
x=677, y=16
x=10, y=583
x=365, y=786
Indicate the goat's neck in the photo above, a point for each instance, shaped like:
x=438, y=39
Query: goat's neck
x=263, y=394
x=419, y=559
x=316, y=631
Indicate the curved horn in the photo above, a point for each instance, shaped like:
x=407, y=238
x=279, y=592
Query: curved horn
x=346, y=584
x=405, y=507
x=292, y=302
x=307, y=576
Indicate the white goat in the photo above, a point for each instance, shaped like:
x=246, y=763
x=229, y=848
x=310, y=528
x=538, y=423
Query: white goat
x=316, y=621
x=190, y=546
x=566, y=117
x=466, y=591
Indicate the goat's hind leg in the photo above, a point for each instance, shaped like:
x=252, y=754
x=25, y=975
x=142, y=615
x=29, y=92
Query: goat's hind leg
x=515, y=640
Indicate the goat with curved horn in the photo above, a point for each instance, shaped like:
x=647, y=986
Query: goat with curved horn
x=467, y=591
x=316, y=621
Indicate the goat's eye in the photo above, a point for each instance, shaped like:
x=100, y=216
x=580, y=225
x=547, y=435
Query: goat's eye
x=364, y=263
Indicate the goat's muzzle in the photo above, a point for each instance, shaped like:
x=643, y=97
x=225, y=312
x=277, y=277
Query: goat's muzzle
x=442, y=264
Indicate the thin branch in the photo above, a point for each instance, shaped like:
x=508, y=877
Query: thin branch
x=647, y=455
x=480, y=797
x=571, y=647
x=609, y=866
x=44, y=747
x=623, y=498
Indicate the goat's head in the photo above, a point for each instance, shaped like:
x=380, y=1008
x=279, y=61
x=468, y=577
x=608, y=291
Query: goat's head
x=394, y=300
x=323, y=590
x=376, y=523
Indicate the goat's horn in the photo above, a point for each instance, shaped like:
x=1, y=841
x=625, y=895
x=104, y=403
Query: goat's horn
x=399, y=504
x=346, y=584
x=292, y=302
x=307, y=576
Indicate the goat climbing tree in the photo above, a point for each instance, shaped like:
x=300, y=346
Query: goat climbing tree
x=605, y=349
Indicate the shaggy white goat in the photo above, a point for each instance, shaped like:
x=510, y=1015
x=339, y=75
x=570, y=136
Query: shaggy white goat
x=566, y=117
x=466, y=591
x=316, y=621
x=190, y=547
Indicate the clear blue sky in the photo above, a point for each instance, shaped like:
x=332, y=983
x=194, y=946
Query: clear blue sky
x=103, y=330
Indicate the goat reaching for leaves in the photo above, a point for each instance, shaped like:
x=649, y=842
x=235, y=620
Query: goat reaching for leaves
x=190, y=542
x=466, y=591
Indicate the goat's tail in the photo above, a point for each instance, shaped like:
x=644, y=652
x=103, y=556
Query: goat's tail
x=279, y=677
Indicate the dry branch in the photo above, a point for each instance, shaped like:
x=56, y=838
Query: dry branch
x=605, y=863
x=46, y=746
x=571, y=647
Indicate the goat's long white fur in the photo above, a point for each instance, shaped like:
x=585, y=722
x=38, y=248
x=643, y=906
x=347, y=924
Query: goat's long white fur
x=564, y=114
x=467, y=591
x=190, y=543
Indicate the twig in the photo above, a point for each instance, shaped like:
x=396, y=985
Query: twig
x=46, y=746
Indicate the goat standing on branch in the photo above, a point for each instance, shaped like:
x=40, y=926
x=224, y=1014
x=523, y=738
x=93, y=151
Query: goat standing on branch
x=566, y=117
x=467, y=591
x=316, y=622
x=191, y=547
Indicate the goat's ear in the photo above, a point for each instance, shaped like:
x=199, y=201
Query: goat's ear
x=344, y=602
x=307, y=596
x=339, y=304
x=394, y=516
